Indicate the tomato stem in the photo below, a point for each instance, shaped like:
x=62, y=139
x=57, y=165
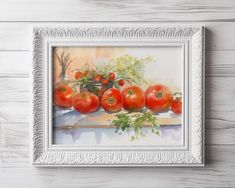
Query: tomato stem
x=62, y=89
x=130, y=92
x=177, y=96
x=111, y=100
x=159, y=94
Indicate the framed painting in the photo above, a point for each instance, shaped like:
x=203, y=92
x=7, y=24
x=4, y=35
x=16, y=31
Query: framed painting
x=118, y=95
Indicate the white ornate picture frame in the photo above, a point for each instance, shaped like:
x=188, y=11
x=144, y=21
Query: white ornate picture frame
x=189, y=37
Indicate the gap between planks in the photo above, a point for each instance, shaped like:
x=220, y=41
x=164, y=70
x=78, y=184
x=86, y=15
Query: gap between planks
x=18, y=36
x=19, y=64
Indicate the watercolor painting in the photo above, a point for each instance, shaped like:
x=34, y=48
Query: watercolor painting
x=118, y=96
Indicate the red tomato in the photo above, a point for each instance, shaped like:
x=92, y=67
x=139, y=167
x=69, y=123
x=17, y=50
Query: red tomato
x=158, y=98
x=104, y=81
x=86, y=102
x=176, y=105
x=112, y=100
x=111, y=76
x=121, y=82
x=97, y=78
x=133, y=97
x=78, y=75
x=63, y=96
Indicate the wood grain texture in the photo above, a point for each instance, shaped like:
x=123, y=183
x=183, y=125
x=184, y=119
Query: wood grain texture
x=103, y=10
x=15, y=165
x=16, y=64
x=220, y=63
x=16, y=36
x=15, y=83
x=14, y=89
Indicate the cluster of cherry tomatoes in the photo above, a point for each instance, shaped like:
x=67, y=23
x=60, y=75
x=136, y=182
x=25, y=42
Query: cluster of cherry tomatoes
x=100, y=77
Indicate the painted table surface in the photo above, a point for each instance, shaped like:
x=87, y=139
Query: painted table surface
x=16, y=18
x=72, y=127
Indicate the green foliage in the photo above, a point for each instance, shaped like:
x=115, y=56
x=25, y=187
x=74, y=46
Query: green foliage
x=125, y=67
x=129, y=68
x=127, y=121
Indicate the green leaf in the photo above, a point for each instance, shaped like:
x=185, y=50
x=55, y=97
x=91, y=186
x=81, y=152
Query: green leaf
x=126, y=121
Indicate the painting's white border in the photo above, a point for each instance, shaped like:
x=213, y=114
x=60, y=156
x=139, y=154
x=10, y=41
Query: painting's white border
x=46, y=154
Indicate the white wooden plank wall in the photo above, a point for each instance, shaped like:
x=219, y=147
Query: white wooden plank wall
x=16, y=18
